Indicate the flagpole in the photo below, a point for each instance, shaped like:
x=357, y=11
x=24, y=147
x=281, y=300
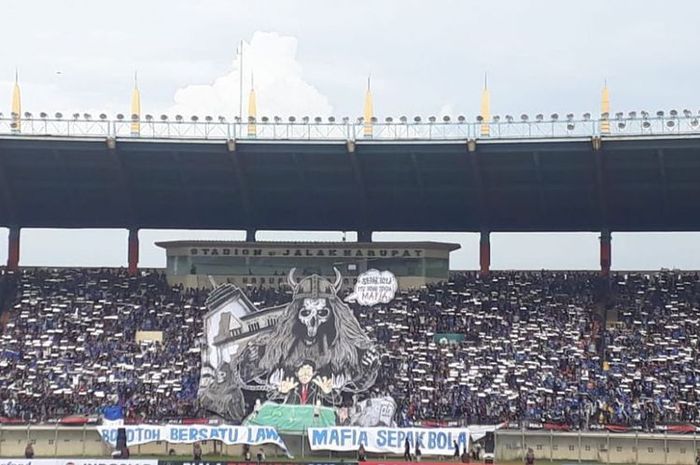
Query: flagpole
x=240, y=87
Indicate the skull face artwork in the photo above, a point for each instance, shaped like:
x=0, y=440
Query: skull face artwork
x=313, y=314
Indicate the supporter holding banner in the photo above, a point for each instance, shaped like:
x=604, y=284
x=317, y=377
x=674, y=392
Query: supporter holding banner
x=431, y=441
x=188, y=434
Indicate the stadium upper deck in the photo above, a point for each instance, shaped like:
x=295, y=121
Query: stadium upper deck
x=625, y=174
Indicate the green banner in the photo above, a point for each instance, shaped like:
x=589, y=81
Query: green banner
x=289, y=418
x=450, y=338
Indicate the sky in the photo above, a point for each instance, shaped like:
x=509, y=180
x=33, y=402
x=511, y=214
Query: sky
x=314, y=57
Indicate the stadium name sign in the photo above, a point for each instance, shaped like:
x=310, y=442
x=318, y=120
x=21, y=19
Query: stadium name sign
x=185, y=434
x=431, y=441
x=302, y=252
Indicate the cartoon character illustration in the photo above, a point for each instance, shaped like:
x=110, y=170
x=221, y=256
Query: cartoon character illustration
x=316, y=353
x=316, y=325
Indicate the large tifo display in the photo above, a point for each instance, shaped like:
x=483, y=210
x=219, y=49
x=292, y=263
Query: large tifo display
x=293, y=366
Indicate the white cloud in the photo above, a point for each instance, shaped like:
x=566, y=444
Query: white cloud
x=279, y=84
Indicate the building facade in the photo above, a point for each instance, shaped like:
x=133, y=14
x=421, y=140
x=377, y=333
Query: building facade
x=209, y=263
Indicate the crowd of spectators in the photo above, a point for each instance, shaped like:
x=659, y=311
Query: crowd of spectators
x=526, y=347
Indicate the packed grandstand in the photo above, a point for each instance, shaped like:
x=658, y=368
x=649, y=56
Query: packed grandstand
x=570, y=349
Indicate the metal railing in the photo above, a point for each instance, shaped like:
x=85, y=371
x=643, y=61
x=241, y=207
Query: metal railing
x=389, y=129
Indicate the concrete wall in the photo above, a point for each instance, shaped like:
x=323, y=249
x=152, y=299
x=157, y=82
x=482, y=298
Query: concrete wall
x=617, y=448
x=651, y=449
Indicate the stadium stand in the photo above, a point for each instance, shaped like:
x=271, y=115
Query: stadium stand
x=525, y=347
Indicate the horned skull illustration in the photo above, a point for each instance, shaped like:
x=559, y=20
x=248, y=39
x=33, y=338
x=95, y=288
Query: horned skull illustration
x=314, y=293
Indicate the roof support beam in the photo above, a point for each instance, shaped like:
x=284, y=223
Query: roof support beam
x=363, y=215
x=601, y=180
x=474, y=166
x=7, y=198
x=663, y=180
x=541, y=199
x=125, y=192
x=243, y=190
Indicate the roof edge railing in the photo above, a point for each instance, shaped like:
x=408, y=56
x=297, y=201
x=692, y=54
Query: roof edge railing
x=318, y=130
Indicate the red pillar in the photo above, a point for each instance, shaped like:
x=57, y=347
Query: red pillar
x=484, y=253
x=605, y=252
x=13, y=250
x=133, y=251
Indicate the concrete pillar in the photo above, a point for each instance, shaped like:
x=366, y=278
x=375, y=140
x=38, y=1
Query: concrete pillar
x=364, y=236
x=605, y=252
x=250, y=235
x=13, y=249
x=133, y=254
x=485, y=253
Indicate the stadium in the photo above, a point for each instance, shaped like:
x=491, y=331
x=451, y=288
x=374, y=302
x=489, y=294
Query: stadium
x=262, y=351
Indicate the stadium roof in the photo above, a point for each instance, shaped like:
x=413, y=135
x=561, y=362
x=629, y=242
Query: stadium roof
x=578, y=184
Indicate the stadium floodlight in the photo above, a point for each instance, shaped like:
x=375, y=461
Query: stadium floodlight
x=164, y=117
x=318, y=119
x=554, y=116
x=539, y=117
x=58, y=115
x=687, y=113
x=660, y=113
x=673, y=113
x=43, y=115
x=524, y=117
x=417, y=119
x=496, y=118
x=208, y=119
x=586, y=116
x=479, y=119
x=331, y=119
x=389, y=119
x=403, y=119
x=292, y=119
x=509, y=119
x=120, y=116
x=194, y=118
x=149, y=117
x=87, y=116
x=76, y=115
x=178, y=118
x=446, y=119
x=265, y=119
x=222, y=119
x=432, y=119
x=569, y=116
x=461, y=118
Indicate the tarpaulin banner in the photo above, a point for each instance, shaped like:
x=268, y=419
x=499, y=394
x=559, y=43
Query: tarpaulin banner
x=185, y=434
x=430, y=441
